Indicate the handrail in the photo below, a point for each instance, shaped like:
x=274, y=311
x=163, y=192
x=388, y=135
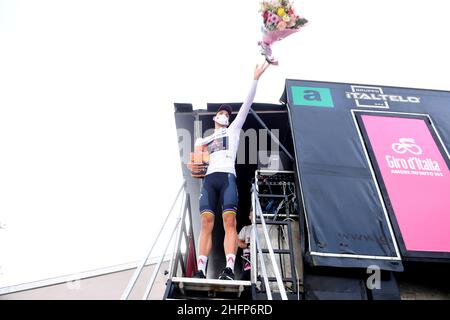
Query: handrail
x=142, y=264
x=253, y=250
x=175, y=244
x=256, y=249
x=263, y=267
x=180, y=220
x=258, y=210
x=155, y=272
x=187, y=233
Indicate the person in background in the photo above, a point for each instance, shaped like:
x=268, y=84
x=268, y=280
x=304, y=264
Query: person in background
x=244, y=240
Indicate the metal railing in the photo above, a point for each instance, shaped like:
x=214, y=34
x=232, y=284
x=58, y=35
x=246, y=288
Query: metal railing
x=177, y=259
x=184, y=208
x=255, y=245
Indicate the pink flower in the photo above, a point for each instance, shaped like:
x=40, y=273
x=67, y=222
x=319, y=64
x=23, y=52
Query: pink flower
x=281, y=25
x=273, y=18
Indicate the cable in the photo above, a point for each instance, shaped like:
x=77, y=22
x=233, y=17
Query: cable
x=280, y=247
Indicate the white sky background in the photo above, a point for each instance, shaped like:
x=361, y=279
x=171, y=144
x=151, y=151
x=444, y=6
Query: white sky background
x=89, y=163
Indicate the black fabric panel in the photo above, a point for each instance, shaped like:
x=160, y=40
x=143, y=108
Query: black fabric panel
x=329, y=287
x=389, y=289
x=343, y=209
x=340, y=197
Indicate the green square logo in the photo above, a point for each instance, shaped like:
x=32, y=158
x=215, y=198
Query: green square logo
x=314, y=97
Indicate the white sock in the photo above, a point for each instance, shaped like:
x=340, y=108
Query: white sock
x=231, y=258
x=201, y=263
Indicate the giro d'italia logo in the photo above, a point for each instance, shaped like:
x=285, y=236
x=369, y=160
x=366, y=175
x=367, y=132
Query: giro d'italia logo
x=407, y=145
x=412, y=162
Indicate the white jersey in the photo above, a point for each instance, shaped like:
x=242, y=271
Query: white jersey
x=223, y=144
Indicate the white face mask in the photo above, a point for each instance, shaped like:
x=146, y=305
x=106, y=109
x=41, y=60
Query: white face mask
x=221, y=119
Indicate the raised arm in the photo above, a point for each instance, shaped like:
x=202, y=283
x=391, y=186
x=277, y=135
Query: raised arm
x=245, y=108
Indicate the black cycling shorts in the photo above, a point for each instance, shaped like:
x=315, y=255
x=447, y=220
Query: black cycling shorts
x=219, y=188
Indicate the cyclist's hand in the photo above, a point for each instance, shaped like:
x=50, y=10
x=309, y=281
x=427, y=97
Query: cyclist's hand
x=260, y=68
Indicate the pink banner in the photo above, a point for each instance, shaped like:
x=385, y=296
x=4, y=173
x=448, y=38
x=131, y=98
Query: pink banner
x=417, y=180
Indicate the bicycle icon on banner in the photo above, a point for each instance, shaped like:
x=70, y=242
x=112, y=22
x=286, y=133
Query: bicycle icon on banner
x=407, y=144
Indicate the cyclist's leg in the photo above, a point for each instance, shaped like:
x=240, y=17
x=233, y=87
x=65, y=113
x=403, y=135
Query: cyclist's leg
x=229, y=197
x=208, y=202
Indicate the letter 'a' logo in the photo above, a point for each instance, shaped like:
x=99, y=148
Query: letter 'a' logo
x=313, y=97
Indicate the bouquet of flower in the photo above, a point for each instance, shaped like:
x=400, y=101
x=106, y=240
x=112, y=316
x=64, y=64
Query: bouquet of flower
x=280, y=21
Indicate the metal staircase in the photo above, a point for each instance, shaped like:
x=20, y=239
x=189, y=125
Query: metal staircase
x=181, y=285
x=263, y=221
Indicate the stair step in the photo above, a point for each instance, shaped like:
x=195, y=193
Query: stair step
x=266, y=195
x=273, y=279
x=275, y=223
x=277, y=251
x=193, y=284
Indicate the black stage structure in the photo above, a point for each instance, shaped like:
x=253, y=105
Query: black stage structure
x=348, y=221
